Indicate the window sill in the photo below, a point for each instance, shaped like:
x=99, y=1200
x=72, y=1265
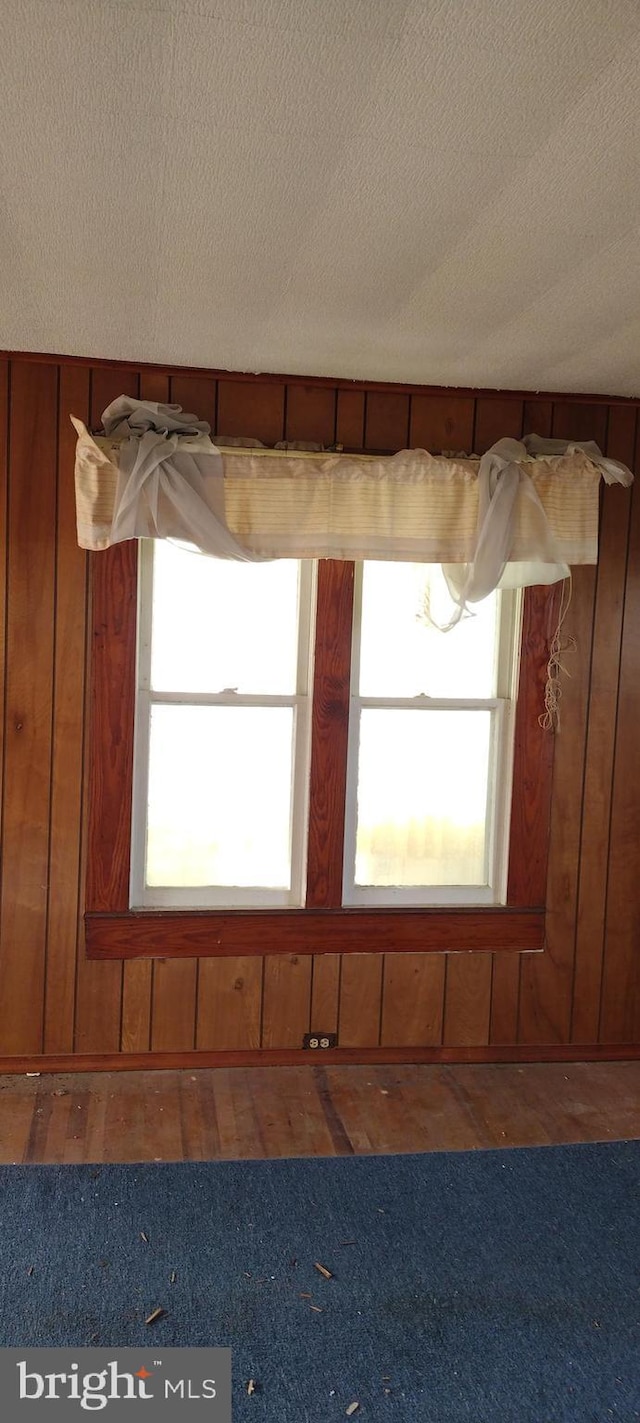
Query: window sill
x=221, y=933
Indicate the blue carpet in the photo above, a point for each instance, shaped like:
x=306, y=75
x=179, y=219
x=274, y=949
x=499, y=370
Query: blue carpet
x=495, y=1287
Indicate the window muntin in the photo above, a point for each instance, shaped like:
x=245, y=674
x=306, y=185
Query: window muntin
x=430, y=743
x=221, y=758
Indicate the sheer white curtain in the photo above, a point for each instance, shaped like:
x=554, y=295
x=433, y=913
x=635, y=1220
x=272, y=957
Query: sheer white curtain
x=522, y=514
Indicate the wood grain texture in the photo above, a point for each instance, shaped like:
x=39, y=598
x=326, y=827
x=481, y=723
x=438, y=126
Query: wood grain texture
x=350, y=419
x=107, y=383
x=112, y=718
x=605, y=679
x=360, y=998
x=109, y=1024
x=496, y=419
x=547, y=979
x=386, y=426
x=286, y=1002
x=311, y=414
x=442, y=423
x=467, y=1000
x=229, y=1003
x=329, y=734
x=28, y=705
x=4, y=549
x=572, y=421
x=412, y=1000
x=155, y=385
x=620, y=1003
x=336, y=1057
x=68, y=728
x=532, y=754
x=197, y=395
x=173, y=1005
x=200, y=933
x=136, y=1006
x=325, y=993
x=505, y=999
x=253, y=410
x=538, y=417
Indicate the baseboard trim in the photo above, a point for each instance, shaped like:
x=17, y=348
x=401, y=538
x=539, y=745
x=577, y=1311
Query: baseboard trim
x=295, y=1057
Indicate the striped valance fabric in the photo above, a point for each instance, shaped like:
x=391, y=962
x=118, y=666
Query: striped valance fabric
x=524, y=513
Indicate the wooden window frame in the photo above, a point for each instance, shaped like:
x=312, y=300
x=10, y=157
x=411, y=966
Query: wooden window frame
x=113, y=930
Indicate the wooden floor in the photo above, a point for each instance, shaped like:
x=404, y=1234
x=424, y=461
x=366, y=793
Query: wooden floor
x=313, y=1111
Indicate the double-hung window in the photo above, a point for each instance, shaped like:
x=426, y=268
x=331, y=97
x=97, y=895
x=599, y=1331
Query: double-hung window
x=225, y=814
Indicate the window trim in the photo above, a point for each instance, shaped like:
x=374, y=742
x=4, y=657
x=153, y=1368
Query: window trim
x=115, y=931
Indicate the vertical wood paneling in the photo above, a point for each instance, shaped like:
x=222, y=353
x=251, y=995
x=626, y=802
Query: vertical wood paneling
x=505, y=994
x=442, y=422
x=29, y=698
x=229, y=1003
x=173, y=1005
x=107, y=383
x=467, y=1000
x=287, y=1000
x=253, y=410
x=574, y=421
x=386, y=421
x=533, y=748
x=68, y=719
x=311, y=414
x=113, y=659
x=4, y=532
x=136, y=1005
x=360, y=999
x=412, y=1000
x=537, y=418
x=495, y=419
x=590, y=969
x=605, y=676
x=325, y=992
x=546, y=980
x=350, y=419
x=196, y=395
x=620, y=1010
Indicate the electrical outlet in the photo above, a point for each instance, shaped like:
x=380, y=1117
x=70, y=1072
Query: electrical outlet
x=320, y=1040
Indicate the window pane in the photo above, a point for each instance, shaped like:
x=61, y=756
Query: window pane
x=402, y=655
x=422, y=797
x=219, y=625
x=219, y=796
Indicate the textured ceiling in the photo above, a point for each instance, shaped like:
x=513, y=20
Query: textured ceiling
x=440, y=191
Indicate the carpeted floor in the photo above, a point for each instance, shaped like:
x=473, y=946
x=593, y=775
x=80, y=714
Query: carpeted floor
x=494, y=1287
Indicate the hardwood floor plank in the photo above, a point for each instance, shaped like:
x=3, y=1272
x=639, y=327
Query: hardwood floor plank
x=314, y=1110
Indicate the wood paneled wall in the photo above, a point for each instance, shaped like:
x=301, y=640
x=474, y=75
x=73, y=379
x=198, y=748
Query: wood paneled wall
x=580, y=997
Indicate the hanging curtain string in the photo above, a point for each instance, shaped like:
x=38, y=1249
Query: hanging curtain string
x=549, y=719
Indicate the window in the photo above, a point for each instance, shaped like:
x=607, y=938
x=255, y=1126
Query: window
x=316, y=768
x=222, y=746
x=221, y=806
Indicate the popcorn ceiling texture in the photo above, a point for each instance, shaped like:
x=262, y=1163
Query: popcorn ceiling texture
x=411, y=190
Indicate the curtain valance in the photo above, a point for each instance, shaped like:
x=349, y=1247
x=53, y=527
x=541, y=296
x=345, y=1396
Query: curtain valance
x=522, y=514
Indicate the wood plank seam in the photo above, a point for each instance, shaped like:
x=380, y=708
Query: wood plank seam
x=52, y=713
